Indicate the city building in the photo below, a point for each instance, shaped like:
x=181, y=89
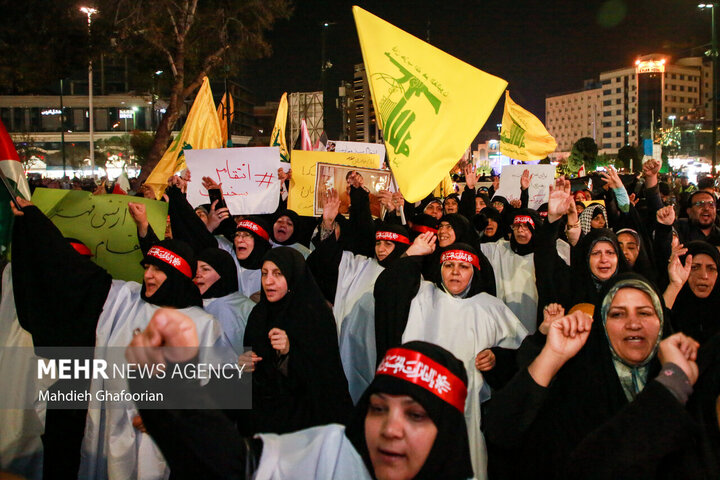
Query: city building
x=307, y=106
x=362, y=125
x=632, y=103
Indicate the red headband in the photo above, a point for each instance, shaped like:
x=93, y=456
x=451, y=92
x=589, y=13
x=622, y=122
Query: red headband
x=461, y=256
x=254, y=227
x=392, y=237
x=423, y=371
x=172, y=259
x=524, y=219
x=422, y=229
x=81, y=248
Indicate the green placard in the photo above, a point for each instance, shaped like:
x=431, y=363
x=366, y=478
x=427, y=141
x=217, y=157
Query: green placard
x=104, y=224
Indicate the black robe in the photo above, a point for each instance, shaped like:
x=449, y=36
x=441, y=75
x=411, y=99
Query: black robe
x=307, y=387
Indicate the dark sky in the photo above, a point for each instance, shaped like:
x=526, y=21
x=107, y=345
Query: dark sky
x=540, y=48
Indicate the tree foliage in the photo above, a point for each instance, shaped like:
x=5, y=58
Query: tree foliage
x=192, y=39
x=584, y=152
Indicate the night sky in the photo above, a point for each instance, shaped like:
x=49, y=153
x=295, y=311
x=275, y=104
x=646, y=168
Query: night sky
x=540, y=48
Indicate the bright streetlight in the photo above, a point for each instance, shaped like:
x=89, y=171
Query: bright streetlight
x=89, y=11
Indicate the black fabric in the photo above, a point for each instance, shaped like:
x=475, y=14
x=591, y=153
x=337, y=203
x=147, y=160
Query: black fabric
x=427, y=201
x=449, y=457
x=223, y=263
x=297, y=227
x=397, y=285
x=464, y=233
x=73, y=289
x=483, y=279
x=186, y=225
x=400, y=248
x=255, y=259
x=422, y=220
x=569, y=285
x=530, y=246
x=452, y=196
x=315, y=391
x=584, y=395
x=177, y=290
x=698, y=317
x=481, y=220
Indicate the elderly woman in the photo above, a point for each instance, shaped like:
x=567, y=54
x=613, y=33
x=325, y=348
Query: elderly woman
x=403, y=427
x=286, y=231
x=457, y=312
x=573, y=397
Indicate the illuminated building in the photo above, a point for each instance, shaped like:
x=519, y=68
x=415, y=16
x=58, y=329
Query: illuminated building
x=635, y=102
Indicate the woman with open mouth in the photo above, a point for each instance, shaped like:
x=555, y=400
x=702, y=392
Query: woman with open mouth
x=603, y=397
x=405, y=426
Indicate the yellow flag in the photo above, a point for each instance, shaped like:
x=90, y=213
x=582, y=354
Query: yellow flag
x=523, y=136
x=201, y=131
x=429, y=104
x=277, y=139
x=222, y=118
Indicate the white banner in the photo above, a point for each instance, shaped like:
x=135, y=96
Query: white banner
x=358, y=147
x=543, y=177
x=249, y=177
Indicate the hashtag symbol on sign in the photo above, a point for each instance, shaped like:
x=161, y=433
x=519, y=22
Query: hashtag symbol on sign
x=265, y=180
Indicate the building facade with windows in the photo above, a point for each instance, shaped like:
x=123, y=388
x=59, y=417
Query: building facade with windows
x=632, y=103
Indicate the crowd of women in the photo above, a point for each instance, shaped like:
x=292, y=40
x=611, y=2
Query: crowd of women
x=464, y=337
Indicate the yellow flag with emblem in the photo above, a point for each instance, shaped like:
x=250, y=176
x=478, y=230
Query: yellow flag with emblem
x=523, y=136
x=429, y=105
x=223, y=114
x=201, y=131
x=277, y=139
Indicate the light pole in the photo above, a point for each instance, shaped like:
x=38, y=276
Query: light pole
x=714, y=56
x=672, y=119
x=154, y=93
x=89, y=11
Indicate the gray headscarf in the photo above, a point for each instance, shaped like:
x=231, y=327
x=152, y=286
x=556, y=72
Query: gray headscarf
x=633, y=377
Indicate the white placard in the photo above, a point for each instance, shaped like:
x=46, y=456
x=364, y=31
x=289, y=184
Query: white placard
x=543, y=177
x=249, y=177
x=358, y=147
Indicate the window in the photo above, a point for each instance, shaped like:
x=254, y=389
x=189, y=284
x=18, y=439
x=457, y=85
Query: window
x=617, y=90
x=607, y=81
x=607, y=92
x=607, y=102
x=618, y=145
x=673, y=87
x=607, y=113
x=618, y=123
x=607, y=135
x=606, y=124
x=618, y=134
x=682, y=77
x=673, y=76
x=618, y=112
x=682, y=88
x=618, y=101
x=607, y=145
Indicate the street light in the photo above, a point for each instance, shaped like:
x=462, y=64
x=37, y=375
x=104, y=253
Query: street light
x=672, y=119
x=89, y=11
x=713, y=52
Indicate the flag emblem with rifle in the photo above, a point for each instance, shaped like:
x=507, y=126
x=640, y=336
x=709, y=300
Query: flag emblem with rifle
x=523, y=136
x=429, y=105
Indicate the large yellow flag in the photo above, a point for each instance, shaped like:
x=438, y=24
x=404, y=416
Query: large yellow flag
x=429, y=104
x=523, y=136
x=222, y=118
x=201, y=131
x=277, y=139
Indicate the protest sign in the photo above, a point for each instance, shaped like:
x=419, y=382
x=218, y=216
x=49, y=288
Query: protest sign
x=339, y=177
x=302, y=184
x=249, y=177
x=542, y=177
x=358, y=147
x=104, y=225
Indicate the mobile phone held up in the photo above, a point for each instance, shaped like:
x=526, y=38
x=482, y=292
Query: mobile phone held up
x=214, y=194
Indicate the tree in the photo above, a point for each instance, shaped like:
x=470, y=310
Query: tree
x=629, y=156
x=192, y=38
x=141, y=144
x=584, y=152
